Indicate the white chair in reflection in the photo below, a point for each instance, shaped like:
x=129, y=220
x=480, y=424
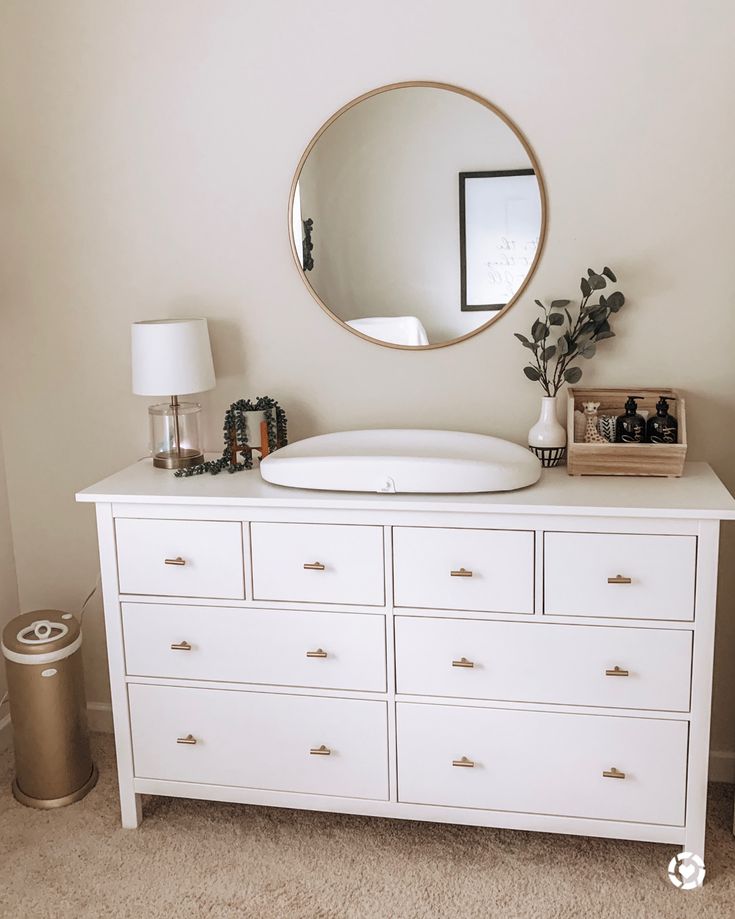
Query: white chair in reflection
x=398, y=330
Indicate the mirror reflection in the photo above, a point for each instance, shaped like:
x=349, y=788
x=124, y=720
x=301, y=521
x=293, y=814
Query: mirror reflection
x=417, y=215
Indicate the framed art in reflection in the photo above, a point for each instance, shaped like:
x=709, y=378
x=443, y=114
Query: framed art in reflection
x=499, y=220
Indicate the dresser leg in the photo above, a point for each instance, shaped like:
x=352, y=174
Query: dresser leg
x=694, y=841
x=131, y=809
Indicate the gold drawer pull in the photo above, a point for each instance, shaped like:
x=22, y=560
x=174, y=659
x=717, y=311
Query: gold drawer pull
x=468, y=763
x=189, y=739
x=313, y=566
x=462, y=573
x=613, y=774
x=320, y=751
x=181, y=646
x=616, y=671
x=619, y=579
x=320, y=652
x=463, y=662
x=175, y=561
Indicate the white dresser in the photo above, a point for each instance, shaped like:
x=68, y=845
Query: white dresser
x=540, y=659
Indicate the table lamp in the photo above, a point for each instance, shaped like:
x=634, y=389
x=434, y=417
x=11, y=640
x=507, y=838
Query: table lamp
x=172, y=356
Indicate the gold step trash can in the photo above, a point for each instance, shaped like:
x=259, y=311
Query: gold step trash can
x=43, y=660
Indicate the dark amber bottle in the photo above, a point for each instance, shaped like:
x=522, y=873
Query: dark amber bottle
x=662, y=428
x=630, y=428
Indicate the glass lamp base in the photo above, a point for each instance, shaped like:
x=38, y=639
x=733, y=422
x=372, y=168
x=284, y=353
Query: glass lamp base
x=182, y=460
x=175, y=434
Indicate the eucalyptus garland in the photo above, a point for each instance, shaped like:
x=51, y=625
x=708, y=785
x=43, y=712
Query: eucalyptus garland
x=235, y=429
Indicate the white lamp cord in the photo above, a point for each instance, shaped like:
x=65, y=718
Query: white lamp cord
x=82, y=608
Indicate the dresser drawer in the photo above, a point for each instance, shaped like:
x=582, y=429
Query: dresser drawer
x=318, y=563
x=619, y=575
x=285, y=648
x=544, y=662
x=260, y=740
x=180, y=558
x=487, y=570
x=542, y=763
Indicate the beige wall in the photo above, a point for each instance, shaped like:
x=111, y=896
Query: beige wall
x=8, y=582
x=148, y=149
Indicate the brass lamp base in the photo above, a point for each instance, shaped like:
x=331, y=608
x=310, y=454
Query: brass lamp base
x=182, y=460
x=51, y=803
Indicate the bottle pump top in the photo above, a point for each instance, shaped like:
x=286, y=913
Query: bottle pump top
x=662, y=406
x=631, y=406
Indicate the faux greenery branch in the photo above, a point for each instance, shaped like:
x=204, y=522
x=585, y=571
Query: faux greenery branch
x=235, y=430
x=557, y=362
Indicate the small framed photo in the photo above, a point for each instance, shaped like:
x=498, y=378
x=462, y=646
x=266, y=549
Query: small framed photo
x=499, y=221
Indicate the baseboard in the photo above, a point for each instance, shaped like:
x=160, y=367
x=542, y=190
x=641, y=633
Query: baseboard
x=99, y=717
x=6, y=735
x=722, y=766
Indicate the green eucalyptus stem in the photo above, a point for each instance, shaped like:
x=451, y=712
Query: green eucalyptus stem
x=564, y=362
x=557, y=362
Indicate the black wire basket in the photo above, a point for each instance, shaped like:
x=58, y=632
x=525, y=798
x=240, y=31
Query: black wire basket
x=549, y=456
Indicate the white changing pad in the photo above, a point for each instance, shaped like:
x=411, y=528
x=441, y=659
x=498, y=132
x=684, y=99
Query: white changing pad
x=398, y=330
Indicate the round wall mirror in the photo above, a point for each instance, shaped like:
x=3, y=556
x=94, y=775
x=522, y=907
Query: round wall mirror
x=418, y=215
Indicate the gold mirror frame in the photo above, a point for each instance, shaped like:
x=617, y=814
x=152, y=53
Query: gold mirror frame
x=542, y=193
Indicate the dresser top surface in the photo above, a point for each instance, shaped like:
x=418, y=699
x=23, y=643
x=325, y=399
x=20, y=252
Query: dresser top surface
x=697, y=494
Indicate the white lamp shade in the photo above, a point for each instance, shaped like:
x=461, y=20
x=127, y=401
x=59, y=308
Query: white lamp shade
x=171, y=357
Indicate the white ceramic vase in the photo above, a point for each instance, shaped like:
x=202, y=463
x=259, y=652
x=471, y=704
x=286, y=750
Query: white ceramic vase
x=547, y=438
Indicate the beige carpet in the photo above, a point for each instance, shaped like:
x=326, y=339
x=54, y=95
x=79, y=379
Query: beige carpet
x=192, y=859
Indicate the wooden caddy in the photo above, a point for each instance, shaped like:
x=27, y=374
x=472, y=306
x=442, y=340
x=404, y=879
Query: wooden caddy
x=626, y=459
